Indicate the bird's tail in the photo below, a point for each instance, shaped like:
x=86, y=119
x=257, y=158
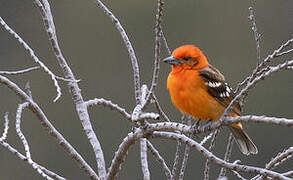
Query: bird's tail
x=244, y=142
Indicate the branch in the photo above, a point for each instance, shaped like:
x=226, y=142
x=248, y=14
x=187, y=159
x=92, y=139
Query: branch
x=49, y=127
x=6, y=127
x=122, y=151
x=255, y=33
x=160, y=110
x=160, y=159
x=211, y=148
x=25, y=142
x=19, y=71
x=215, y=159
x=22, y=157
x=35, y=58
x=144, y=160
x=228, y=154
x=157, y=47
x=109, y=104
x=80, y=106
x=129, y=47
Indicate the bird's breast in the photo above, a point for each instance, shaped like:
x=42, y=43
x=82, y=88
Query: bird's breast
x=188, y=93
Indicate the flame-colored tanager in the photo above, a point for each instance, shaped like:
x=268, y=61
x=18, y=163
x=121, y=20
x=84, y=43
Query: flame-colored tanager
x=198, y=89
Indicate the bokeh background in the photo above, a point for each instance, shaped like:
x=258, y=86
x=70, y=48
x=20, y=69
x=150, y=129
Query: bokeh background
x=95, y=52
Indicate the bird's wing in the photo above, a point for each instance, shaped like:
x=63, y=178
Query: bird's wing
x=217, y=87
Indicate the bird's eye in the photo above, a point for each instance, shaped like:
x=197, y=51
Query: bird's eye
x=186, y=58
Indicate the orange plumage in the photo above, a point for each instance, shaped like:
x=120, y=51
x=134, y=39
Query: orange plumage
x=198, y=89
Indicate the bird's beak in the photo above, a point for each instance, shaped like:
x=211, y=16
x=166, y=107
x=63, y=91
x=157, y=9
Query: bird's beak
x=171, y=60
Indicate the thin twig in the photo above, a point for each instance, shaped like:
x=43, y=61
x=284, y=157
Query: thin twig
x=109, y=104
x=19, y=71
x=228, y=154
x=175, y=169
x=211, y=148
x=22, y=157
x=160, y=159
x=35, y=58
x=255, y=33
x=129, y=47
x=186, y=155
x=157, y=46
x=25, y=142
x=159, y=108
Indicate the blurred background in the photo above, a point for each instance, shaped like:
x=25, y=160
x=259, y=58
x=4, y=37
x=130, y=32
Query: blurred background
x=95, y=52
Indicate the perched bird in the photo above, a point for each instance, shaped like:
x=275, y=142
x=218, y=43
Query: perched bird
x=198, y=89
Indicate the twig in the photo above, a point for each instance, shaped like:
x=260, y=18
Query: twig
x=25, y=142
x=19, y=71
x=255, y=33
x=175, y=169
x=280, y=158
x=211, y=148
x=157, y=46
x=205, y=139
x=227, y=155
x=264, y=62
x=80, y=106
x=6, y=127
x=251, y=84
x=109, y=104
x=165, y=42
x=215, y=159
x=122, y=151
x=49, y=127
x=159, y=108
x=35, y=58
x=22, y=157
x=186, y=154
x=160, y=159
x=144, y=160
x=129, y=47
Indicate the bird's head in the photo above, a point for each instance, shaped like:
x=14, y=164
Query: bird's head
x=187, y=57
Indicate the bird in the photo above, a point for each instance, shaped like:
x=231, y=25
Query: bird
x=198, y=89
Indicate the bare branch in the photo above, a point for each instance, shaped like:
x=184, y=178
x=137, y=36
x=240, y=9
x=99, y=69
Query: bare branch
x=165, y=42
x=22, y=157
x=159, y=108
x=251, y=84
x=6, y=127
x=122, y=151
x=208, y=161
x=255, y=33
x=109, y=104
x=280, y=158
x=19, y=71
x=160, y=159
x=157, y=46
x=49, y=127
x=129, y=47
x=80, y=106
x=205, y=139
x=178, y=154
x=215, y=159
x=35, y=58
x=25, y=142
x=184, y=162
x=227, y=154
x=144, y=160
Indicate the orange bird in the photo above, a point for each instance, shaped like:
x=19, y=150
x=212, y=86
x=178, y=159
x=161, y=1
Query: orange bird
x=198, y=89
